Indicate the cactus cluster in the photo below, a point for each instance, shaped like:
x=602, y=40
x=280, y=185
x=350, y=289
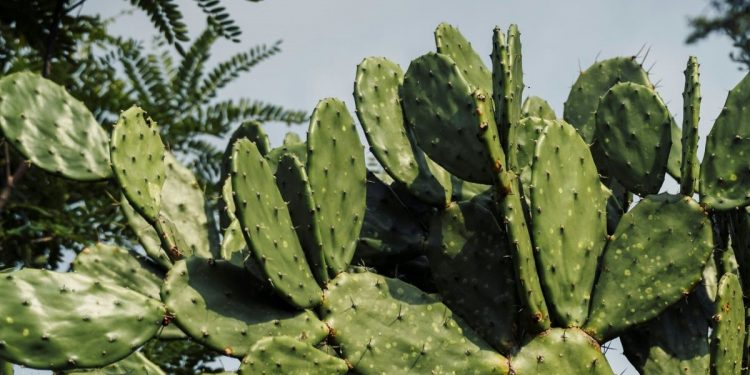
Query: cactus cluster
x=499, y=238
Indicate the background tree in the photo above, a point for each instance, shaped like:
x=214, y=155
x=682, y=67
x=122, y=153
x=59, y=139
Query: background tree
x=41, y=215
x=731, y=18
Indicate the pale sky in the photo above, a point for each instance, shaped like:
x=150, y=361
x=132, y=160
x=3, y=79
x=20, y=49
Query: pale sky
x=324, y=40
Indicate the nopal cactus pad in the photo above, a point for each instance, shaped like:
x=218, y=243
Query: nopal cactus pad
x=221, y=306
x=592, y=84
x=451, y=43
x=115, y=265
x=471, y=264
x=268, y=227
x=727, y=337
x=63, y=320
x=725, y=172
x=138, y=161
x=146, y=234
x=441, y=110
x=136, y=363
x=286, y=355
x=376, y=91
x=656, y=255
x=387, y=326
x=674, y=342
x=55, y=131
x=336, y=171
x=632, y=137
x=535, y=106
x=294, y=187
x=560, y=351
x=182, y=201
x=568, y=221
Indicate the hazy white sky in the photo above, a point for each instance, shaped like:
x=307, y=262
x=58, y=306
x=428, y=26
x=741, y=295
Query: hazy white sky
x=325, y=39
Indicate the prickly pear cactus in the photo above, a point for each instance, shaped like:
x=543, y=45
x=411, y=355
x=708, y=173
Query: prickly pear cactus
x=496, y=239
x=55, y=131
x=63, y=320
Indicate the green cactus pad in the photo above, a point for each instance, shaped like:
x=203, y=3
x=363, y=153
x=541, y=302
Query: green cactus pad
x=465, y=190
x=135, y=363
x=233, y=247
x=294, y=187
x=286, y=355
x=441, y=110
x=728, y=334
x=632, y=138
x=138, y=161
x=674, y=161
x=592, y=84
x=507, y=78
x=52, y=129
x=390, y=231
x=146, y=234
x=387, y=326
x=568, y=221
x=535, y=106
x=379, y=111
x=336, y=170
x=115, y=265
x=219, y=305
x=182, y=201
x=617, y=204
x=724, y=172
x=675, y=342
x=471, y=264
x=527, y=134
x=561, y=351
x=268, y=228
x=656, y=256
x=297, y=149
x=291, y=139
x=691, y=112
x=59, y=321
x=451, y=43
x=535, y=315
x=6, y=368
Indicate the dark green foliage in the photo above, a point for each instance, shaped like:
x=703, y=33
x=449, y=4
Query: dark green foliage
x=674, y=342
x=730, y=18
x=181, y=357
x=392, y=229
x=470, y=261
